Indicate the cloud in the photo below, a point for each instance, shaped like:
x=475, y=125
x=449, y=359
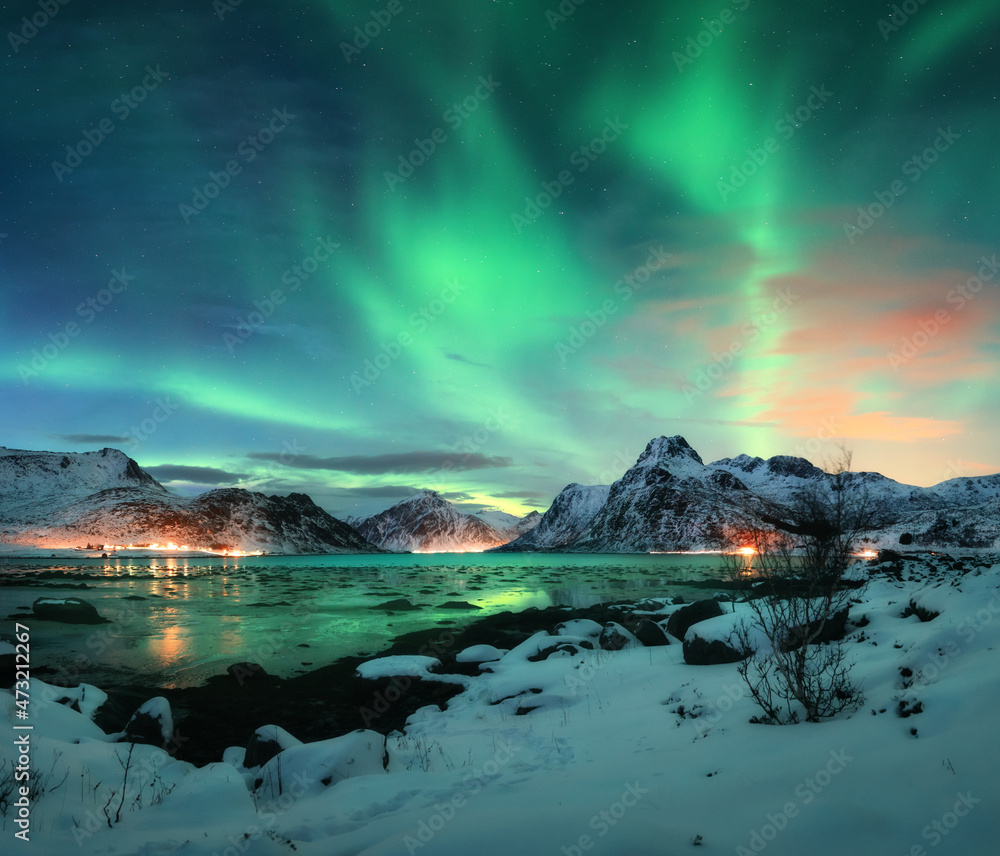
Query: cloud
x=200, y=475
x=460, y=359
x=388, y=490
x=520, y=494
x=90, y=439
x=400, y=462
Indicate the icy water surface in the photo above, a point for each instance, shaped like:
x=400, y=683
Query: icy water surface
x=176, y=622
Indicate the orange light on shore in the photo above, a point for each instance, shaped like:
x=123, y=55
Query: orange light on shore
x=867, y=554
x=171, y=547
x=747, y=551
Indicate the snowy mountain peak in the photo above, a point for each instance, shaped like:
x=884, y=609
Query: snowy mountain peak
x=425, y=497
x=786, y=465
x=664, y=451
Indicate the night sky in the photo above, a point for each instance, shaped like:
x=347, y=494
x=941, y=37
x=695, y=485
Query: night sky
x=359, y=248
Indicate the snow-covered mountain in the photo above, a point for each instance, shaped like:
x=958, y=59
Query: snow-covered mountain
x=428, y=523
x=507, y=524
x=668, y=500
x=32, y=483
x=58, y=501
x=671, y=500
x=570, y=514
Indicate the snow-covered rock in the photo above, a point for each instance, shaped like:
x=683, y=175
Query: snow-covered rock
x=152, y=723
x=479, y=654
x=68, y=610
x=266, y=742
x=312, y=767
x=630, y=751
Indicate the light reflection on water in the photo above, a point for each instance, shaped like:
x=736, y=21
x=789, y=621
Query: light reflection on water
x=177, y=621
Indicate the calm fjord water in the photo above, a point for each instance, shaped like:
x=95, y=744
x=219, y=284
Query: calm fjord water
x=176, y=622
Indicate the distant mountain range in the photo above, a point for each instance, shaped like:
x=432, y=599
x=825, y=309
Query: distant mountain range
x=53, y=501
x=426, y=522
x=671, y=500
x=668, y=500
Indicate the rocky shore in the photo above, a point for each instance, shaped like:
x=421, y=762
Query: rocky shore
x=333, y=700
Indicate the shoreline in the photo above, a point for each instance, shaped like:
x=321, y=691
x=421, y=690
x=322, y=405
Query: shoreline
x=331, y=700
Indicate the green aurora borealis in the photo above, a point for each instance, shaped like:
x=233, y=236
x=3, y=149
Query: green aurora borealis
x=495, y=247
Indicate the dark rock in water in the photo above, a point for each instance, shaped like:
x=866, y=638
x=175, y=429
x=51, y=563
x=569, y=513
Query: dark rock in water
x=686, y=616
x=399, y=605
x=614, y=637
x=243, y=672
x=650, y=605
x=651, y=634
x=152, y=723
x=458, y=604
x=704, y=652
x=68, y=610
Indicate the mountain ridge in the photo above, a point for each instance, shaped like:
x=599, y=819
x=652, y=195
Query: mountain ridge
x=56, y=500
x=671, y=500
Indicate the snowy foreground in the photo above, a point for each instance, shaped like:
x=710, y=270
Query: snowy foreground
x=626, y=752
